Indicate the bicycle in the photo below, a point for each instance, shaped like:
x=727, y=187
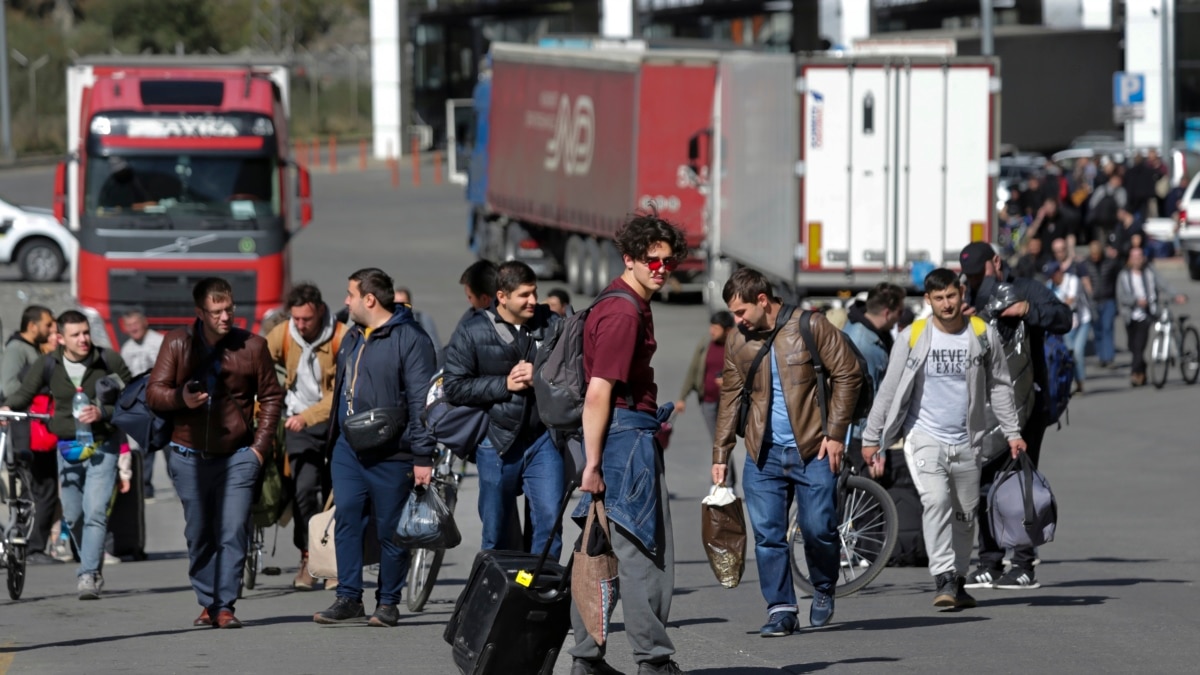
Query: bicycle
x=1174, y=343
x=868, y=527
x=254, y=557
x=20, y=507
x=425, y=563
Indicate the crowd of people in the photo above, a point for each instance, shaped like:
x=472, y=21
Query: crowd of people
x=953, y=401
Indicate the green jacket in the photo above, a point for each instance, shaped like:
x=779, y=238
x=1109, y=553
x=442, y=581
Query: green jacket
x=62, y=424
x=695, y=375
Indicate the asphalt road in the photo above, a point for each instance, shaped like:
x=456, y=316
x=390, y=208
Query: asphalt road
x=1119, y=591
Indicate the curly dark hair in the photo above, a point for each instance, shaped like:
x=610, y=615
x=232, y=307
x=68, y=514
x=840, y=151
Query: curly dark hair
x=646, y=228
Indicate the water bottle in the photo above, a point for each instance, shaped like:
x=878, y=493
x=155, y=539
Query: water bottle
x=83, y=430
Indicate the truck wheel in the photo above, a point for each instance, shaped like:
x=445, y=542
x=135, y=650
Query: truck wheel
x=610, y=264
x=1193, y=259
x=575, y=264
x=591, y=257
x=40, y=260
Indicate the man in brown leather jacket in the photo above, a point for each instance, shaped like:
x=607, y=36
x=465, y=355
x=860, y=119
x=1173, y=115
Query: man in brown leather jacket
x=206, y=380
x=786, y=450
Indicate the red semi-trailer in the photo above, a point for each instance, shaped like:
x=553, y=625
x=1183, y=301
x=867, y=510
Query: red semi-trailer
x=177, y=170
x=576, y=141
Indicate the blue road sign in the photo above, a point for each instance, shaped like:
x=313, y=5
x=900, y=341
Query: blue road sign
x=1129, y=96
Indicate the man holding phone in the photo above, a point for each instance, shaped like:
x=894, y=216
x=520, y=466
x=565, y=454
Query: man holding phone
x=206, y=379
x=489, y=364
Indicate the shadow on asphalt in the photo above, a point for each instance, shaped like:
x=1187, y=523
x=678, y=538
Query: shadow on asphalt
x=905, y=622
x=797, y=668
x=107, y=593
x=83, y=642
x=1116, y=582
x=698, y=621
x=1103, y=560
x=166, y=555
x=1047, y=601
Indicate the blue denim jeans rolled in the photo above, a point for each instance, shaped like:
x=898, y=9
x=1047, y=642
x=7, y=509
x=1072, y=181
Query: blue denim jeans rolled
x=1076, y=339
x=536, y=472
x=216, y=492
x=1104, y=327
x=366, y=494
x=770, y=486
x=87, y=488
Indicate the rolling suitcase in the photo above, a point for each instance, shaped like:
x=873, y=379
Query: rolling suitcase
x=514, y=613
x=127, y=514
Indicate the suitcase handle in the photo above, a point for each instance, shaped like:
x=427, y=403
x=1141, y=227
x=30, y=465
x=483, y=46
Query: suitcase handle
x=541, y=564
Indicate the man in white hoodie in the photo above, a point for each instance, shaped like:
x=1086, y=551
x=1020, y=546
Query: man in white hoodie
x=934, y=397
x=306, y=348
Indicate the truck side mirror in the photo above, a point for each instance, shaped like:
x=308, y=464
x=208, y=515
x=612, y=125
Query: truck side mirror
x=304, y=192
x=698, y=150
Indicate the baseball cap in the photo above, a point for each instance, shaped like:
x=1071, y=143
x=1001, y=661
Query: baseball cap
x=975, y=256
x=1051, y=268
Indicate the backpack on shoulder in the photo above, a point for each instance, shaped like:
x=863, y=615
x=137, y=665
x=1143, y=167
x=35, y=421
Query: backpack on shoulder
x=1060, y=378
x=866, y=393
x=459, y=428
x=133, y=416
x=559, y=383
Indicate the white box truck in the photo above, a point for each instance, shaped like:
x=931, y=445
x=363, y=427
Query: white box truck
x=839, y=173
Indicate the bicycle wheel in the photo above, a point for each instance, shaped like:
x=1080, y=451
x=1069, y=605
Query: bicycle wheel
x=1189, y=355
x=867, y=527
x=253, y=559
x=1160, y=360
x=16, y=570
x=422, y=575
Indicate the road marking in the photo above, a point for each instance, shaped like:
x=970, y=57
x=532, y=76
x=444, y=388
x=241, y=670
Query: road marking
x=6, y=657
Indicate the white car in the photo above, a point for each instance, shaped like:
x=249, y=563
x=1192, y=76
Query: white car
x=40, y=246
x=1189, y=226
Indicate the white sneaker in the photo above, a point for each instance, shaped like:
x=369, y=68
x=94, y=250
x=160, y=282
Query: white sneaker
x=89, y=586
x=110, y=559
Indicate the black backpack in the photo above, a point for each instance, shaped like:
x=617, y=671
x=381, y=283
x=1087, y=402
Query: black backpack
x=866, y=393
x=1104, y=212
x=559, y=383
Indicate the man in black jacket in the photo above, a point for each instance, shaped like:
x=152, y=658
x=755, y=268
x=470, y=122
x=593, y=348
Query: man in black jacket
x=489, y=364
x=386, y=361
x=1042, y=313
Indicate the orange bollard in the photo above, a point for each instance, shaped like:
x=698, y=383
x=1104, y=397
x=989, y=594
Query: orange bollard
x=332, y=154
x=415, y=146
x=362, y=155
x=437, y=167
x=316, y=152
x=394, y=165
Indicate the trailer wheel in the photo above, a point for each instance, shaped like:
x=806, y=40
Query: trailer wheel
x=610, y=264
x=574, y=264
x=592, y=285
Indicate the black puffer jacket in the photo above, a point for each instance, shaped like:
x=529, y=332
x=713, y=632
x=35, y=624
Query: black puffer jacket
x=481, y=354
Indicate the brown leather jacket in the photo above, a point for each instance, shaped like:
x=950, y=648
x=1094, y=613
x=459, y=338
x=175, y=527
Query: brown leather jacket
x=799, y=380
x=226, y=424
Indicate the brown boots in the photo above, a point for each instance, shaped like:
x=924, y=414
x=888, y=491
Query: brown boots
x=303, y=581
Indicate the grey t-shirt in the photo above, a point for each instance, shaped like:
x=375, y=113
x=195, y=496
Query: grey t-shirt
x=75, y=371
x=939, y=399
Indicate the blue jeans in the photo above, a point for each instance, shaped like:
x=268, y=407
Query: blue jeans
x=362, y=493
x=217, y=492
x=87, y=487
x=769, y=486
x=1104, y=327
x=538, y=472
x=1076, y=339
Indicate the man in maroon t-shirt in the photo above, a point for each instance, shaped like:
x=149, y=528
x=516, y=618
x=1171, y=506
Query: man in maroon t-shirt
x=704, y=375
x=619, y=420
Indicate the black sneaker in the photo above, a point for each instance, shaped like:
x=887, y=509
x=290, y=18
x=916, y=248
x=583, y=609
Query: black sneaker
x=962, y=599
x=385, y=616
x=664, y=668
x=1017, y=579
x=780, y=624
x=946, y=590
x=589, y=667
x=341, y=611
x=983, y=578
x=40, y=558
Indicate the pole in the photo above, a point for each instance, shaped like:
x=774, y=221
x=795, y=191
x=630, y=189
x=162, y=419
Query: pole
x=1168, y=89
x=5, y=107
x=986, y=46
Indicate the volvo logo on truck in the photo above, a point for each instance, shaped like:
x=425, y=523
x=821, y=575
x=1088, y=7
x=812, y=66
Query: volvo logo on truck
x=574, y=137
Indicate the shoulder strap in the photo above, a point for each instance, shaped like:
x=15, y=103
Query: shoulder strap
x=785, y=313
x=106, y=358
x=287, y=341
x=339, y=332
x=48, y=364
x=918, y=327
x=810, y=343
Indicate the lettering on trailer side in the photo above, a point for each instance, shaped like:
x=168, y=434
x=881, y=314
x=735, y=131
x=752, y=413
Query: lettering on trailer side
x=572, y=128
x=817, y=124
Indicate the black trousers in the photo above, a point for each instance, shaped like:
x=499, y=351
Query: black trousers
x=1138, y=333
x=306, y=459
x=991, y=554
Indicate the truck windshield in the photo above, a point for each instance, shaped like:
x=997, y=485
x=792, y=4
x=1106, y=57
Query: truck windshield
x=182, y=191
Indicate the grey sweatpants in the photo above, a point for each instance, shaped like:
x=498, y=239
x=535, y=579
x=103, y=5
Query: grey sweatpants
x=947, y=478
x=646, y=585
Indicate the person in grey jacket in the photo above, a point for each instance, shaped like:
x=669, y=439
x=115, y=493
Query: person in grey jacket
x=934, y=396
x=1141, y=294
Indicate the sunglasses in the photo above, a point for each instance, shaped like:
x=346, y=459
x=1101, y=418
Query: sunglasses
x=656, y=264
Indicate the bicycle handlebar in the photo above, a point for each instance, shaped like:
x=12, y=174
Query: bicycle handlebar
x=15, y=415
